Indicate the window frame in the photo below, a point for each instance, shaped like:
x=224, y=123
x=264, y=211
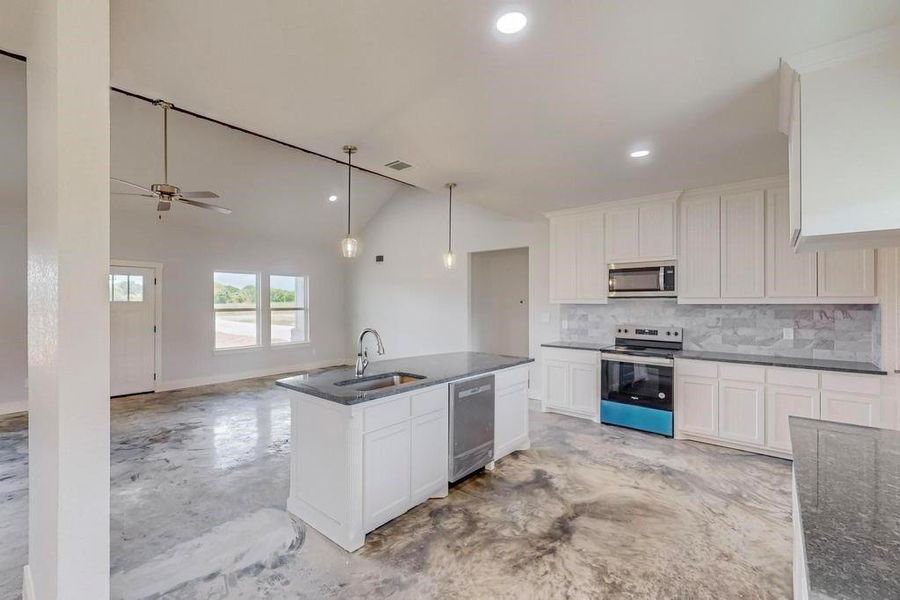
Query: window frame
x=305, y=310
x=258, y=309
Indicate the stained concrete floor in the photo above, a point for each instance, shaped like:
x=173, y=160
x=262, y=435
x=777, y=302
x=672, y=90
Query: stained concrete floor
x=200, y=480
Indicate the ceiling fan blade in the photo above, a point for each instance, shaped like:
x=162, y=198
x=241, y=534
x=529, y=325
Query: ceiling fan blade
x=130, y=194
x=199, y=195
x=134, y=185
x=163, y=206
x=218, y=209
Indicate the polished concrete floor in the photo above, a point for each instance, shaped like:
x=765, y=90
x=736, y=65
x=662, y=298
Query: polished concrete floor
x=200, y=479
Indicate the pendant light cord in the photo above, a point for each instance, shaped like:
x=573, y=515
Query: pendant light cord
x=165, y=144
x=450, y=223
x=349, y=171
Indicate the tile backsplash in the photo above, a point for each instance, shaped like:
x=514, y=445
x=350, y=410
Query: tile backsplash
x=840, y=332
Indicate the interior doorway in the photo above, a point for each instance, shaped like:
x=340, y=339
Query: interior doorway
x=498, y=301
x=133, y=327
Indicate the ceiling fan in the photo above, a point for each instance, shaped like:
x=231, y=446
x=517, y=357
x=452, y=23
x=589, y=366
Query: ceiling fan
x=165, y=193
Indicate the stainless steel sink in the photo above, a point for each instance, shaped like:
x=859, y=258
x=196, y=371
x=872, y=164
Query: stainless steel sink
x=377, y=382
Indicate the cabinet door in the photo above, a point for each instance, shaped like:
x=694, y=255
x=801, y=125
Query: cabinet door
x=742, y=410
x=794, y=163
x=386, y=474
x=788, y=275
x=743, y=245
x=697, y=400
x=851, y=408
x=584, y=396
x=556, y=383
x=622, y=235
x=429, y=454
x=591, y=271
x=698, y=248
x=510, y=418
x=783, y=402
x=847, y=274
x=656, y=226
x=563, y=252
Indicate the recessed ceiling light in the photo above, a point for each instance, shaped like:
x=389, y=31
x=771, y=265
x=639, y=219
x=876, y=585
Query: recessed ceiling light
x=512, y=22
x=640, y=153
x=332, y=198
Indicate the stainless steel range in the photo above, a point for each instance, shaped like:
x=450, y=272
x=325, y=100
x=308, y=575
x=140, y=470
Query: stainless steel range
x=637, y=379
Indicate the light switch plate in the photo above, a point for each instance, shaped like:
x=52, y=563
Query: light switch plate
x=788, y=333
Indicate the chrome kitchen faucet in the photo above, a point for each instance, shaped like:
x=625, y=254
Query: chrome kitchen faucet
x=362, y=355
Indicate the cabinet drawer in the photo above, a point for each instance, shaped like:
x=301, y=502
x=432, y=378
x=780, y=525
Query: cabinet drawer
x=389, y=413
x=852, y=384
x=792, y=377
x=588, y=357
x=510, y=377
x=697, y=368
x=742, y=373
x=430, y=400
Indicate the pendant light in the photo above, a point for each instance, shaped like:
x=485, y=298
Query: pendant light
x=349, y=244
x=449, y=257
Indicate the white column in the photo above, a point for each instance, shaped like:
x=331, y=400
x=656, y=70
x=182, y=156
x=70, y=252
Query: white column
x=68, y=310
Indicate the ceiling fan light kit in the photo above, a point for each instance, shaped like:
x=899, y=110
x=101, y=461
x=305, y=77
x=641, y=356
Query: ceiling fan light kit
x=164, y=193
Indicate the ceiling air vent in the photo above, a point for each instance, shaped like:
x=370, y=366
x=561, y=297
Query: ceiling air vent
x=398, y=165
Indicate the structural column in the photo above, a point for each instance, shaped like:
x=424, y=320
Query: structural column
x=68, y=310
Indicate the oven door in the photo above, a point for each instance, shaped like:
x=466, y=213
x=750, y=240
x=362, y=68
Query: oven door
x=637, y=381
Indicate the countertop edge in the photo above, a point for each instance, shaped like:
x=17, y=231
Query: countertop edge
x=773, y=361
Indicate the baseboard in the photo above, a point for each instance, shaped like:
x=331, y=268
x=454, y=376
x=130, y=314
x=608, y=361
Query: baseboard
x=180, y=384
x=14, y=406
x=27, y=584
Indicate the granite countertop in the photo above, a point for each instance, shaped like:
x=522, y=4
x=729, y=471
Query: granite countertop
x=848, y=490
x=593, y=347
x=437, y=368
x=819, y=364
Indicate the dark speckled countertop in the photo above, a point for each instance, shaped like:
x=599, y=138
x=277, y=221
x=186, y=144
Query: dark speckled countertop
x=437, y=368
x=848, y=489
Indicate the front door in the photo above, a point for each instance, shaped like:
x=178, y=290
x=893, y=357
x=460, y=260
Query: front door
x=132, y=324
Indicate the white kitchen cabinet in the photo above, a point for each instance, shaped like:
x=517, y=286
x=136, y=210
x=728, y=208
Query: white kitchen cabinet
x=511, y=412
x=698, y=249
x=556, y=383
x=563, y=258
x=591, y=280
x=783, y=402
x=656, y=231
x=623, y=234
x=697, y=400
x=788, y=274
x=428, y=456
x=855, y=409
x=846, y=273
x=742, y=412
x=571, y=382
x=743, y=244
x=386, y=474
x=583, y=381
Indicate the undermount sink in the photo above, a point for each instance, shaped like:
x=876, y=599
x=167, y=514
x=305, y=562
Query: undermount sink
x=377, y=382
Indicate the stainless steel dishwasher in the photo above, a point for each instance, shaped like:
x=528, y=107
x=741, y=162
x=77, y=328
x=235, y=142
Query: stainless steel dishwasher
x=471, y=425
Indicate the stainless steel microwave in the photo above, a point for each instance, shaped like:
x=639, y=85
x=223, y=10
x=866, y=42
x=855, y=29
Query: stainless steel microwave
x=642, y=280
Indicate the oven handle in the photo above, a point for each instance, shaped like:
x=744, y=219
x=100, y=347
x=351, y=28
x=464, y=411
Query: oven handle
x=638, y=360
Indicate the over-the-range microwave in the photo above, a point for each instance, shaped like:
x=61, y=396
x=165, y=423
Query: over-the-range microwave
x=642, y=280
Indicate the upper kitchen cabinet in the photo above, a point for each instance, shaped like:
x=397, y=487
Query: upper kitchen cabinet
x=699, y=274
x=847, y=274
x=577, y=263
x=743, y=244
x=839, y=108
x=789, y=274
x=642, y=229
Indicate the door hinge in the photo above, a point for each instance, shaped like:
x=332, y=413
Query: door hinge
x=154, y=377
x=154, y=281
x=154, y=329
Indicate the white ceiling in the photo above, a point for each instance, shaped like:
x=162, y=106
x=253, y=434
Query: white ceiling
x=527, y=123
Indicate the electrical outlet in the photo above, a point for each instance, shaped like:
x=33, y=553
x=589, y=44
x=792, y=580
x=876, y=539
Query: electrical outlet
x=788, y=333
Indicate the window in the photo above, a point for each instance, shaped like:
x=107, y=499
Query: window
x=126, y=288
x=235, y=302
x=287, y=302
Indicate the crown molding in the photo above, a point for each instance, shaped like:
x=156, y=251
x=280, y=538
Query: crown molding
x=871, y=42
x=670, y=196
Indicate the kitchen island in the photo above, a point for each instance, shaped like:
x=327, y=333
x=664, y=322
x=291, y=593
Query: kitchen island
x=364, y=450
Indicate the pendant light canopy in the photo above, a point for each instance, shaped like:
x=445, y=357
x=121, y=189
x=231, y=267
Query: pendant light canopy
x=349, y=245
x=449, y=257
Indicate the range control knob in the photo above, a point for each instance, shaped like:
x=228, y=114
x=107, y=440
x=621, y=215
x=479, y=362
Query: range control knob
x=626, y=331
x=676, y=333
x=668, y=333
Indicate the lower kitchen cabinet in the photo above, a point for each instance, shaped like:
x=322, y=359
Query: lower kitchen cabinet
x=742, y=412
x=698, y=405
x=386, y=474
x=511, y=412
x=783, y=402
x=429, y=444
x=855, y=409
x=571, y=382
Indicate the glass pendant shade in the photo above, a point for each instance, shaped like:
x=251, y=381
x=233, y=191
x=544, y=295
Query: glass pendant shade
x=349, y=247
x=449, y=260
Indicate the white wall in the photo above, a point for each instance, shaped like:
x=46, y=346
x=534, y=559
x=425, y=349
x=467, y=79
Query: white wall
x=498, y=302
x=190, y=257
x=13, y=197
x=418, y=306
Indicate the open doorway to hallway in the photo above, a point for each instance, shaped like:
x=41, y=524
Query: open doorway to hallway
x=498, y=301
